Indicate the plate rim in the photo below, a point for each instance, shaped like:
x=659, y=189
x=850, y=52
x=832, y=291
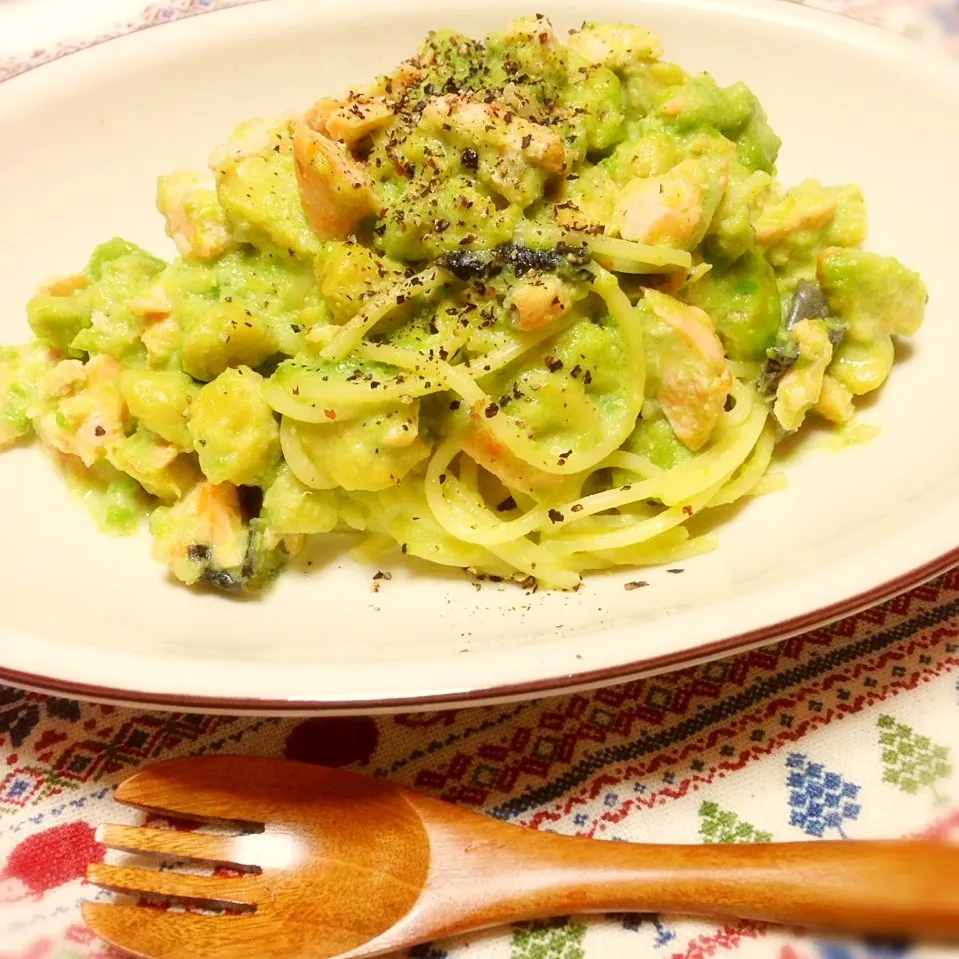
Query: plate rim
x=847, y=28
x=502, y=692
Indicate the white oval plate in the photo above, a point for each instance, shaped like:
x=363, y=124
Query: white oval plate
x=82, y=141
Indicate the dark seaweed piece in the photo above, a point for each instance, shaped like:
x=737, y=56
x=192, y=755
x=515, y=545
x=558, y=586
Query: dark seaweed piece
x=221, y=579
x=836, y=330
x=779, y=359
x=263, y=560
x=808, y=303
x=523, y=258
x=482, y=264
x=467, y=264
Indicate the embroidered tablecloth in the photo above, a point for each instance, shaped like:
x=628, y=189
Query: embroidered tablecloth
x=849, y=731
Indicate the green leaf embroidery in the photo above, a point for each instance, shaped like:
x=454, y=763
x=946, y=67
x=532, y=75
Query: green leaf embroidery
x=553, y=940
x=718, y=825
x=911, y=762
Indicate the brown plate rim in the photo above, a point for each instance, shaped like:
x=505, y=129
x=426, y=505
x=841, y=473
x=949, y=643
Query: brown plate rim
x=499, y=692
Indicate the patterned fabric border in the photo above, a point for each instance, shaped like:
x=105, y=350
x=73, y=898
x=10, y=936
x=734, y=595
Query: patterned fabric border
x=153, y=16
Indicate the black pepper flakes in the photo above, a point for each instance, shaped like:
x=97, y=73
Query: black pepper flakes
x=507, y=504
x=576, y=508
x=555, y=516
x=553, y=363
x=491, y=411
x=470, y=158
x=635, y=584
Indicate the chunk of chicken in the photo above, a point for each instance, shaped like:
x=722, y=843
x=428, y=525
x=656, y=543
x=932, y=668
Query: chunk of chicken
x=876, y=295
x=487, y=451
x=336, y=192
x=800, y=388
x=257, y=186
x=349, y=120
x=492, y=125
x=195, y=221
x=162, y=334
x=251, y=138
x=835, y=401
x=406, y=75
x=153, y=303
x=90, y=414
x=538, y=302
x=202, y=535
x=65, y=378
x=618, y=46
x=155, y=464
x=161, y=340
x=690, y=373
x=675, y=208
x=65, y=285
x=808, y=206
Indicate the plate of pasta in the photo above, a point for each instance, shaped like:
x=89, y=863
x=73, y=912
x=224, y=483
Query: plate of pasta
x=467, y=354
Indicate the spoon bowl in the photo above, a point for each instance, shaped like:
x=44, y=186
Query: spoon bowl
x=361, y=880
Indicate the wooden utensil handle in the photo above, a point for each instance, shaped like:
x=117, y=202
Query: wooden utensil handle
x=490, y=873
x=891, y=888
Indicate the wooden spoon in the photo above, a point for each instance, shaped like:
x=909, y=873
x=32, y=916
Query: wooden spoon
x=341, y=865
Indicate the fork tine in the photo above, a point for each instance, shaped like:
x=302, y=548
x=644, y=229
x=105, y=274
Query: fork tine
x=152, y=934
x=236, y=851
x=190, y=789
x=173, y=886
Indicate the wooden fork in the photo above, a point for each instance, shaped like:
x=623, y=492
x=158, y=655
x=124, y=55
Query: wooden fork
x=341, y=865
